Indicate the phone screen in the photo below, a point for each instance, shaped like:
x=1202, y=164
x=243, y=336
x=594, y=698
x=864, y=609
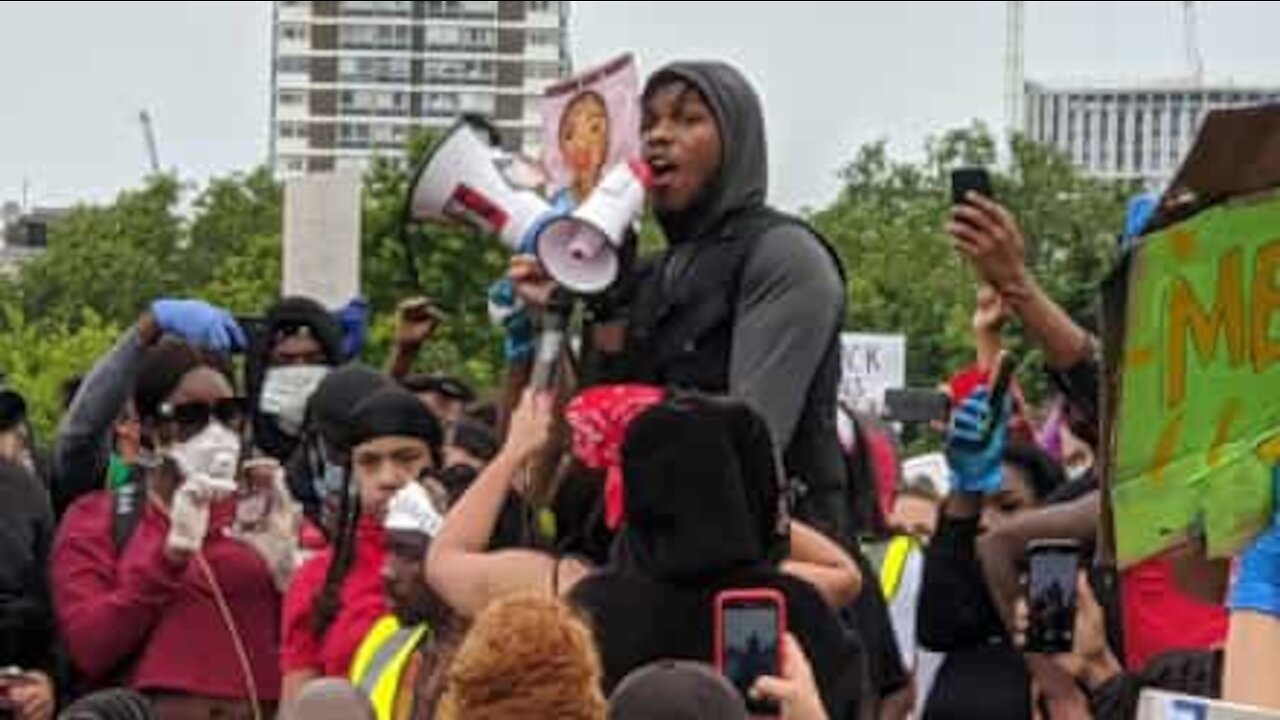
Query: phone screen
x=752, y=648
x=964, y=180
x=1051, y=598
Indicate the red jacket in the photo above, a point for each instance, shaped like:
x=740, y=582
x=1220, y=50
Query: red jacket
x=136, y=616
x=364, y=602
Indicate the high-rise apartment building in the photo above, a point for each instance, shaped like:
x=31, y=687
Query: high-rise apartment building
x=354, y=79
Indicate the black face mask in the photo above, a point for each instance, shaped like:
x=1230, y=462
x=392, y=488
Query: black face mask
x=456, y=479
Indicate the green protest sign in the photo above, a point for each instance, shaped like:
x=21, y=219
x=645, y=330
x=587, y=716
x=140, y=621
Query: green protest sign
x=1198, y=415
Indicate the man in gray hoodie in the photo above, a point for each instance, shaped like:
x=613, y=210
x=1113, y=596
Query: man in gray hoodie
x=746, y=301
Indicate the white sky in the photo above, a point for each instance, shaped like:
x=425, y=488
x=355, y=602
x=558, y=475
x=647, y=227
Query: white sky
x=833, y=75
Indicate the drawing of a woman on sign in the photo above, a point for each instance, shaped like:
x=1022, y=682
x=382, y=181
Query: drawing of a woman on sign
x=590, y=123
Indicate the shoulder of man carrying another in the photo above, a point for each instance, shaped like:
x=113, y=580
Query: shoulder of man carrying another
x=786, y=251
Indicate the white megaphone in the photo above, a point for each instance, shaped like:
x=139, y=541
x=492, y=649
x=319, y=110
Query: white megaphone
x=462, y=180
x=580, y=251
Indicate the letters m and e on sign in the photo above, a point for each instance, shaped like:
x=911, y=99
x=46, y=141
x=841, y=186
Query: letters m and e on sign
x=1198, y=419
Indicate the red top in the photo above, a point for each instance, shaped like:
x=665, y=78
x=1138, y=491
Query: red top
x=134, y=614
x=364, y=602
x=1159, y=618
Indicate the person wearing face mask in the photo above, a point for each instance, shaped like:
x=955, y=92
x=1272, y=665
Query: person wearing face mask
x=400, y=665
x=318, y=470
x=295, y=348
x=338, y=596
x=180, y=607
x=98, y=435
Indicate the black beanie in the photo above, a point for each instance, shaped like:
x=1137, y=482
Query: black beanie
x=392, y=412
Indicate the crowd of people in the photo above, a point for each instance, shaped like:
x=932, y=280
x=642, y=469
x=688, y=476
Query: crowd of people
x=245, y=522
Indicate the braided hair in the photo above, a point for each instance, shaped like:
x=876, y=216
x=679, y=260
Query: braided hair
x=328, y=603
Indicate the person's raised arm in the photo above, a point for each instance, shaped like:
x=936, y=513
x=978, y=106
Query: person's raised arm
x=83, y=441
x=459, y=567
x=988, y=236
x=416, y=321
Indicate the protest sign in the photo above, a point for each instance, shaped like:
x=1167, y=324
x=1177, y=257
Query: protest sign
x=871, y=364
x=322, y=238
x=590, y=123
x=1196, y=414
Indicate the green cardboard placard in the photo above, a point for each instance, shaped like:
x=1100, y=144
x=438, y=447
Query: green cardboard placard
x=1198, y=417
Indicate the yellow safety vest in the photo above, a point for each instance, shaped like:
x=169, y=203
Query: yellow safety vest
x=891, y=561
x=380, y=662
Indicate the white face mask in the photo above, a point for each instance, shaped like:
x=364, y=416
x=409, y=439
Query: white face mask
x=210, y=460
x=285, y=392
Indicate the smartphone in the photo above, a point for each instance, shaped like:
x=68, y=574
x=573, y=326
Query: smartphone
x=750, y=626
x=916, y=406
x=1005, y=366
x=1052, y=569
x=970, y=179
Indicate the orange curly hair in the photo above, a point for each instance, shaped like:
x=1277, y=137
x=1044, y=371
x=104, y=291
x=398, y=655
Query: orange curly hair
x=526, y=656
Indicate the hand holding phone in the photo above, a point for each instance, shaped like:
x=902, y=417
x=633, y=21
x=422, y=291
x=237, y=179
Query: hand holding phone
x=1052, y=569
x=913, y=406
x=750, y=629
x=970, y=179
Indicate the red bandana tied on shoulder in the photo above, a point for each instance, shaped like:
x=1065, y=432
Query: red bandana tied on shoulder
x=599, y=418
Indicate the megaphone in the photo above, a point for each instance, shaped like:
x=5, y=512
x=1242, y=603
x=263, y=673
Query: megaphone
x=462, y=181
x=580, y=251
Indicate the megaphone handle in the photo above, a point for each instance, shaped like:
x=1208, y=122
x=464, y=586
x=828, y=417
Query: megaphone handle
x=547, y=358
x=551, y=340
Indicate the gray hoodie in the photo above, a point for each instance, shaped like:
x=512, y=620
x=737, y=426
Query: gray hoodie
x=790, y=298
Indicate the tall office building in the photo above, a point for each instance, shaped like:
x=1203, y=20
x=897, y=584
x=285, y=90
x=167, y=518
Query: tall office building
x=1131, y=132
x=354, y=79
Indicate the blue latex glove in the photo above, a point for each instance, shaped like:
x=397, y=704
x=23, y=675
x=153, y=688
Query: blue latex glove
x=354, y=319
x=1257, y=586
x=974, y=459
x=199, y=323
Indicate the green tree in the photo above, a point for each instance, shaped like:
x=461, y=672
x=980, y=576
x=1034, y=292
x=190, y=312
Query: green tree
x=38, y=358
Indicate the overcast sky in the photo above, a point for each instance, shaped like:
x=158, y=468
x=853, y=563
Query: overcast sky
x=833, y=75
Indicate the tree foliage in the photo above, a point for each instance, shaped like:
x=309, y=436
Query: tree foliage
x=106, y=263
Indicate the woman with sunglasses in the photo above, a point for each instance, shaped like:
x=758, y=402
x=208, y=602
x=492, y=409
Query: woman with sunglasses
x=177, y=606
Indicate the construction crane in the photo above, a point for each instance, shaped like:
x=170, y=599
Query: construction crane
x=1014, y=65
x=149, y=136
x=1191, y=43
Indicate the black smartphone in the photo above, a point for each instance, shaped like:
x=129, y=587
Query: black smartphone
x=1005, y=366
x=1052, y=568
x=967, y=179
x=915, y=406
x=750, y=625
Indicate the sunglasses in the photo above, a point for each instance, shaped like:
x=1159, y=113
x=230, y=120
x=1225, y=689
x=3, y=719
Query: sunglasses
x=193, y=417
